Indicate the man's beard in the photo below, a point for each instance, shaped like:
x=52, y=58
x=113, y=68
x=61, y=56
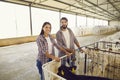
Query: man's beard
x=64, y=27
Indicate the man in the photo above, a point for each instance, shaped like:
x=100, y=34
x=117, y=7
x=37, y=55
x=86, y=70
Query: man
x=66, y=39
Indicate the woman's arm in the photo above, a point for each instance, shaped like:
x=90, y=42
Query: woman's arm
x=52, y=57
x=41, y=47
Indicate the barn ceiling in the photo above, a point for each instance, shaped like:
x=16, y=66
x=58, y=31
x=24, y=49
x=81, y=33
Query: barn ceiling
x=103, y=9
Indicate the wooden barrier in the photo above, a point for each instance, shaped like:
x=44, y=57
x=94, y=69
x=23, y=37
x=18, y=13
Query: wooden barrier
x=18, y=40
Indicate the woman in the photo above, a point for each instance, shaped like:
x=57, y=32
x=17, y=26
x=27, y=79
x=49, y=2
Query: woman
x=45, y=45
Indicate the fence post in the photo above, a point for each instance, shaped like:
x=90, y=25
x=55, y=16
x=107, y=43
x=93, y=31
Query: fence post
x=85, y=64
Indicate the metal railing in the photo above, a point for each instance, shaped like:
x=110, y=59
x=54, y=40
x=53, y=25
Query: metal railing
x=103, y=59
x=100, y=59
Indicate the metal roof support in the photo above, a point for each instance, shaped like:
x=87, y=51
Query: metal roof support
x=104, y=3
x=40, y=1
x=34, y=1
x=100, y=8
x=38, y=5
x=31, y=30
x=113, y=5
x=81, y=3
x=115, y=19
x=78, y=7
x=61, y=9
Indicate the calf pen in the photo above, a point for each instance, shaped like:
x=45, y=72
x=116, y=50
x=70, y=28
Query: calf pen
x=99, y=59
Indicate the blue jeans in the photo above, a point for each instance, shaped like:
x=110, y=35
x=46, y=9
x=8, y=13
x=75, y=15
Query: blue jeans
x=39, y=66
x=69, y=61
x=49, y=60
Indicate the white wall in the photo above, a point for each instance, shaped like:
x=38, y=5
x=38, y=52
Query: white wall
x=114, y=23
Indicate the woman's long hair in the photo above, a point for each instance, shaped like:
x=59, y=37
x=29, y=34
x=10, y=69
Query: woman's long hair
x=45, y=23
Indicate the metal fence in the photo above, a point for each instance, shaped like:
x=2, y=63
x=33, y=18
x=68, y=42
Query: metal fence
x=100, y=59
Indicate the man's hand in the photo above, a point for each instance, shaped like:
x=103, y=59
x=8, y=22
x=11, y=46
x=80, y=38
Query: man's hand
x=71, y=50
x=68, y=54
x=81, y=50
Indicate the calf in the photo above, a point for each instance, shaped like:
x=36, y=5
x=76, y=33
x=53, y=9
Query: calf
x=66, y=73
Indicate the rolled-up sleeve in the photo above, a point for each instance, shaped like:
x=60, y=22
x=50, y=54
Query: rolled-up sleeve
x=75, y=40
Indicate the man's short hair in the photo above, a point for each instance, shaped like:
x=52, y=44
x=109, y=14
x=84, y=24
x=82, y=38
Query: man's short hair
x=64, y=18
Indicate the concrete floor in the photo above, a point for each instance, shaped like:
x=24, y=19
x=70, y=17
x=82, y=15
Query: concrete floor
x=18, y=62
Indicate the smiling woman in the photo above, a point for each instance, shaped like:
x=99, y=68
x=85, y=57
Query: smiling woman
x=46, y=45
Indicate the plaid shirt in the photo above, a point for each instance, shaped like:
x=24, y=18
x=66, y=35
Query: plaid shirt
x=43, y=48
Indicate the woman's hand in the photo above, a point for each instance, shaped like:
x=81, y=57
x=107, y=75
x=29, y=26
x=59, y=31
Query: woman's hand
x=57, y=59
x=73, y=51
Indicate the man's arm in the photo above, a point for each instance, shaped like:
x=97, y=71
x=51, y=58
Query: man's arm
x=78, y=45
x=59, y=41
x=76, y=42
x=60, y=48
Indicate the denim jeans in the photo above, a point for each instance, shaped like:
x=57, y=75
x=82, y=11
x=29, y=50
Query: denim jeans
x=49, y=60
x=69, y=61
x=39, y=66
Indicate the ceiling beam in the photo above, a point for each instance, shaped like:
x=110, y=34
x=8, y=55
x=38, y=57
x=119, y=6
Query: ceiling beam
x=115, y=19
x=107, y=3
x=100, y=8
x=103, y=3
x=92, y=8
x=41, y=1
x=57, y=8
x=43, y=6
x=63, y=10
x=79, y=8
x=114, y=6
